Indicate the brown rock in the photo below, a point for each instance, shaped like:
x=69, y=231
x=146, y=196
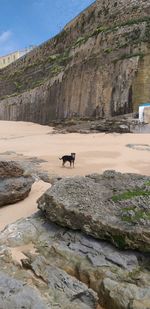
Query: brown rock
x=14, y=186
x=10, y=169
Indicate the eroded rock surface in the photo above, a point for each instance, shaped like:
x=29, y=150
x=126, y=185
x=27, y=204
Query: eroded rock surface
x=14, y=185
x=63, y=259
x=16, y=294
x=112, y=206
x=47, y=266
x=58, y=289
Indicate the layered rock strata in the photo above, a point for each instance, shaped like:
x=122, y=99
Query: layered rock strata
x=97, y=66
x=53, y=256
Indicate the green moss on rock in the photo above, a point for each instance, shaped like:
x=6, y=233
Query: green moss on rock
x=129, y=195
x=119, y=241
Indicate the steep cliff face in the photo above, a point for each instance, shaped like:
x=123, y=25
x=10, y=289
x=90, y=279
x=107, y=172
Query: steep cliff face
x=97, y=66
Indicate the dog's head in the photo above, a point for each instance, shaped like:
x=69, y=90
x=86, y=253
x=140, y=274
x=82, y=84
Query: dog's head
x=73, y=154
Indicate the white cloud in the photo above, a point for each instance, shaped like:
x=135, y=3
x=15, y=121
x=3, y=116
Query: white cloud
x=5, y=37
x=8, y=43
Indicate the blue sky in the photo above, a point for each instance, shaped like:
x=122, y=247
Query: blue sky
x=31, y=22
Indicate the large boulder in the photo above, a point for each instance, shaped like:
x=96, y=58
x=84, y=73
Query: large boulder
x=14, y=185
x=112, y=206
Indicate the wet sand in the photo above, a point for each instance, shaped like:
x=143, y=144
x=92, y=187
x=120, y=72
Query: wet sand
x=25, y=208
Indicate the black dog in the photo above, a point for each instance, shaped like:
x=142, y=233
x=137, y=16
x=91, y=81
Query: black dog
x=68, y=158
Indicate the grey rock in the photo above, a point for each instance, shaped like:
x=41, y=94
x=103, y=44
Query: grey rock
x=68, y=288
x=61, y=252
x=14, y=294
x=97, y=205
x=48, y=178
x=20, y=233
x=143, y=147
x=123, y=295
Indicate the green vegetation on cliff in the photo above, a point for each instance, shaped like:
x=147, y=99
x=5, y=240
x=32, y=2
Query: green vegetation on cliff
x=52, y=64
x=92, y=52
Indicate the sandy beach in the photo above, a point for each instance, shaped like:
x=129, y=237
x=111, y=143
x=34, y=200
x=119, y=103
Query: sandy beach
x=94, y=153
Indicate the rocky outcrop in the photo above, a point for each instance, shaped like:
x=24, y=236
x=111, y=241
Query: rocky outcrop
x=97, y=66
x=127, y=124
x=44, y=265
x=14, y=185
x=67, y=291
x=48, y=284
x=56, y=261
x=112, y=206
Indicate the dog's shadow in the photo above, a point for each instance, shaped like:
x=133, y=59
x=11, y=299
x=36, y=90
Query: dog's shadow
x=68, y=167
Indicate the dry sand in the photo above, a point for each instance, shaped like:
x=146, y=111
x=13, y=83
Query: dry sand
x=94, y=153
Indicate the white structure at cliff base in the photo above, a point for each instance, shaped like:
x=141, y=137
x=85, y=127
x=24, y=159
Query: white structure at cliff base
x=141, y=110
